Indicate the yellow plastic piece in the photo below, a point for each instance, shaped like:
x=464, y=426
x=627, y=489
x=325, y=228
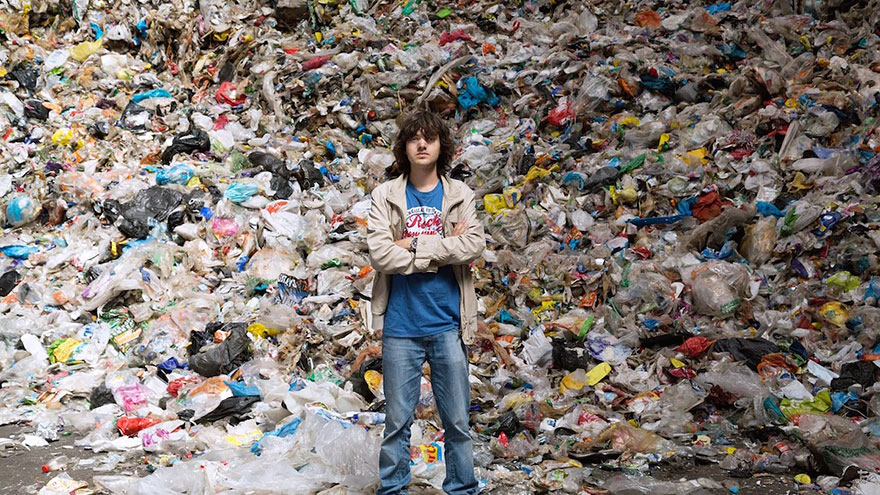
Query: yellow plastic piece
x=245, y=439
x=628, y=194
x=572, y=381
x=62, y=353
x=597, y=373
x=664, y=138
x=630, y=121
x=494, y=203
x=511, y=196
x=125, y=74
x=260, y=330
x=62, y=137
x=835, y=313
x=373, y=379
x=803, y=479
x=800, y=182
x=696, y=156
x=545, y=306
x=85, y=50
x=537, y=172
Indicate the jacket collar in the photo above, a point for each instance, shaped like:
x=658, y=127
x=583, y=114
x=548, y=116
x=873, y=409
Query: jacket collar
x=397, y=195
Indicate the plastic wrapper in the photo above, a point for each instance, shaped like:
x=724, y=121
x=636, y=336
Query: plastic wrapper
x=718, y=287
x=759, y=241
x=624, y=437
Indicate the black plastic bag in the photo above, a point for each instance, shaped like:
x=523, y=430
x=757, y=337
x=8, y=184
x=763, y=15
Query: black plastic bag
x=155, y=203
x=863, y=373
x=359, y=384
x=100, y=396
x=34, y=109
x=27, y=78
x=190, y=142
x=749, y=350
x=570, y=355
x=194, y=202
x=110, y=209
x=233, y=408
x=175, y=218
x=603, y=177
x=509, y=424
x=461, y=172
x=222, y=358
x=307, y=175
x=132, y=114
x=281, y=186
x=8, y=281
x=663, y=340
x=99, y=129
x=270, y=163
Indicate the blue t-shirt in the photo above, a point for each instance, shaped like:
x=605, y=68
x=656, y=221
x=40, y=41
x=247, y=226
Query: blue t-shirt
x=423, y=304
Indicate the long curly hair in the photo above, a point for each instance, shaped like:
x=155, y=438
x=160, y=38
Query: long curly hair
x=432, y=126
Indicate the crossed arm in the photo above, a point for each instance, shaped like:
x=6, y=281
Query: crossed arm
x=465, y=243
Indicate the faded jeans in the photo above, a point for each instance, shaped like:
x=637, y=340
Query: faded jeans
x=402, y=360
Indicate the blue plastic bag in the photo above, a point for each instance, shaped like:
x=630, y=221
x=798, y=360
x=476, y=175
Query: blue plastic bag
x=21, y=210
x=177, y=174
x=171, y=364
x=240, y=389
x=153, y=93
x=472, y=94
x=18, y=251
x=285, y=431
x=240, y=191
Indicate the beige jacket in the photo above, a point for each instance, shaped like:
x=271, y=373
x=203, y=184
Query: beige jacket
x=385, y=225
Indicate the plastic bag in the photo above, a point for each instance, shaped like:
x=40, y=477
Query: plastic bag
x=735, y=379
x=717, y=287
x=21, y=210
x=798, y=216
x=627, y=438
x=150, y=206
x=759, y=241
x=537, y=349
x=131, y=426
x=239, y=192
x=177, y=174
x=197, y=140
x=224, y=357
x=85, y=50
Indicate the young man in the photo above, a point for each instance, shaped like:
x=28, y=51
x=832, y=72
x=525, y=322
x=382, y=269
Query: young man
x=423, y=233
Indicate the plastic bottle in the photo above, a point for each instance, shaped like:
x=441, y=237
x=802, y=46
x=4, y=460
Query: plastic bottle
x=786, y=453
x=56, y=464
x=369, y=418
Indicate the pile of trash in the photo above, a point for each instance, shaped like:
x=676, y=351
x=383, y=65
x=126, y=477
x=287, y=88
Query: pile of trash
x=680, y=204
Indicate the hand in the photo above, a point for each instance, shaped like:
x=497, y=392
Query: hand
x=460, y=228
x=405, y=243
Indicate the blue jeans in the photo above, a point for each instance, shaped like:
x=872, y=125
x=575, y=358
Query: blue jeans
x=402, y=360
